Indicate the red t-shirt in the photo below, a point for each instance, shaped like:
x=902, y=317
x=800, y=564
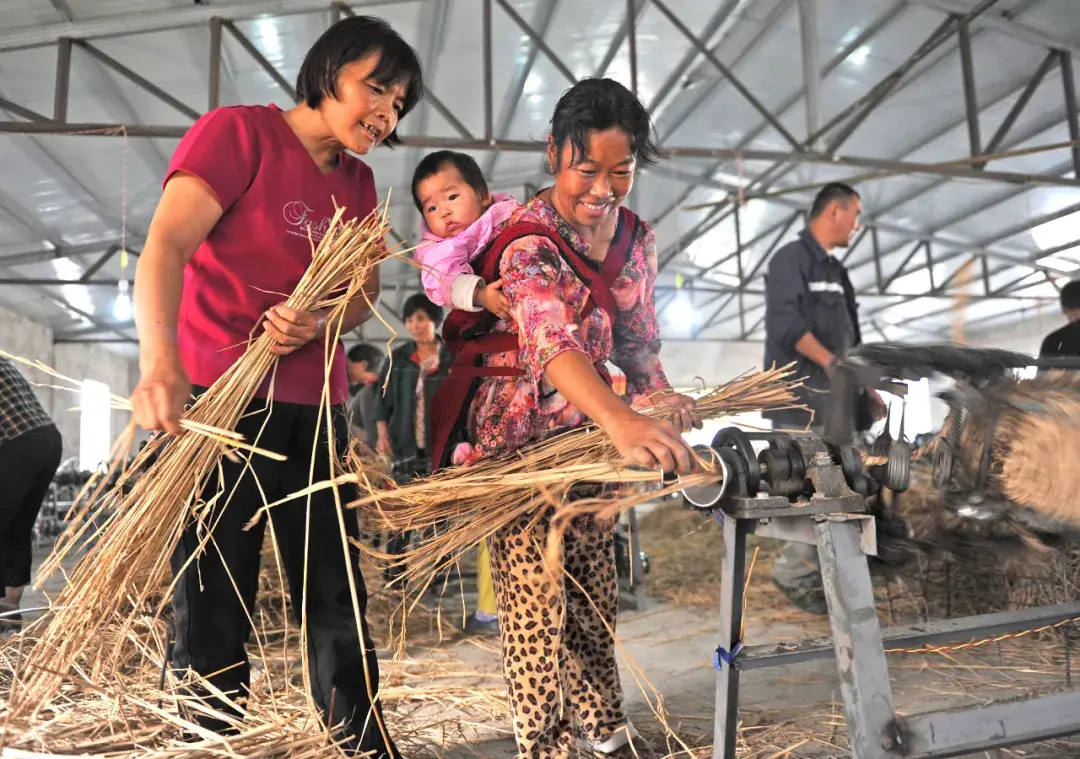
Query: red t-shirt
x=253, y=258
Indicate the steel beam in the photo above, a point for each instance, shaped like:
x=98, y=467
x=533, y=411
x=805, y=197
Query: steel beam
x=1069, y=83
x=719, y=65
x=538, y=41
x=633, y=15
x=877, y=260
x=447, y=114
x=871, y=30
x=947, y=170
x=1006, y=24
x=144, y=22
x=489, y=98
x=717, y=25
x=22, y=111
x=971, y=103
x=266, y=65
x=900, y=269
x=857, y=111
x=63, y=79
x=811, y=50
x=631, y=36
x=138, y=80
x=1021, y=103
x=62, y=8
x=545, y=12
x=214, y=96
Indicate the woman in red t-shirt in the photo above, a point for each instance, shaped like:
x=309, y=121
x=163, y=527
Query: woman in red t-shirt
x=244, y=189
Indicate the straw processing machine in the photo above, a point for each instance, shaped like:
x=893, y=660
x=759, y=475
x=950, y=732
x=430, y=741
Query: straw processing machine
x=815, y=489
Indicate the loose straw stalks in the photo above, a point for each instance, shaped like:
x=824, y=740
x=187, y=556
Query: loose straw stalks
x=229, y=439
x=463, y=506
x=144, y=516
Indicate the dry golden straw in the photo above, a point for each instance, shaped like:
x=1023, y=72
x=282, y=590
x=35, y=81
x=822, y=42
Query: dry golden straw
x=462, y=506
x=126, y=561
x=1035, y=445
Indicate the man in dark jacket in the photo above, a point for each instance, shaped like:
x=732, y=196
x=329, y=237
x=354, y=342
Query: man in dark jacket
x=1065, y=341
x=811, y=319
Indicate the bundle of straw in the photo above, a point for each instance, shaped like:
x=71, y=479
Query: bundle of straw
x=465, y=505
x=1034, y=446
x=154, y=500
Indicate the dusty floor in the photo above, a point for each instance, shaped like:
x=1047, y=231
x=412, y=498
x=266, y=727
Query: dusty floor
x=786, y=712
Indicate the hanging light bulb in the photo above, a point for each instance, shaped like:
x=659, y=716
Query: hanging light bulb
x=122, y=304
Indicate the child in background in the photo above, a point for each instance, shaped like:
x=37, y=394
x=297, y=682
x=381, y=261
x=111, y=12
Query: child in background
x=461, y=217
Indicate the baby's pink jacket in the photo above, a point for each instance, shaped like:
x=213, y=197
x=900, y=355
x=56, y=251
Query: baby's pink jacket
x=447, y=273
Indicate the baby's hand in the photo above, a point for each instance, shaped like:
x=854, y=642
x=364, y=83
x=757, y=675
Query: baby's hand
x=491, y=298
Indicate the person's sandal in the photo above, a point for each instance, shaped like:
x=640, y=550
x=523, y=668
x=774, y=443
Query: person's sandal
x=621, y=737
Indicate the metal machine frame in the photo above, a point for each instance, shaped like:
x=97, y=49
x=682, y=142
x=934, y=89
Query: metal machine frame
x=835, y=518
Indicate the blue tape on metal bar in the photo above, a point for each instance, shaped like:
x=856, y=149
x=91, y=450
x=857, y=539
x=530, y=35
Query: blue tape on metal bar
x=722, y=657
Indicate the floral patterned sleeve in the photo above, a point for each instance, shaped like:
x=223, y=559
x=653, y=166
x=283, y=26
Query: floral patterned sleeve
x=637, y=331
x=540, y=302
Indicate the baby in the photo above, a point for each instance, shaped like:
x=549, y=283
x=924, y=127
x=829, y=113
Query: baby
x=461, y=218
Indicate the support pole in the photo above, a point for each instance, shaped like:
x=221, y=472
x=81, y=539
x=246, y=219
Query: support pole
x=967, y=66
x=1069, y=82
x=808, y=24
x=214, y=97
x=631, y=35
x=732, y=580
x=63, y=80
x=489, y=116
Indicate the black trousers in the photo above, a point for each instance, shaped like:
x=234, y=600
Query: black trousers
x=27, y=466
x=211, y=615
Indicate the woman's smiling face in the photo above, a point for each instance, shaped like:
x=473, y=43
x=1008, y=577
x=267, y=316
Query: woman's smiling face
x=590, y=190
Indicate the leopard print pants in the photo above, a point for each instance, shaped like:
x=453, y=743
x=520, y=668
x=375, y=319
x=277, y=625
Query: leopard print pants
x=558, y=650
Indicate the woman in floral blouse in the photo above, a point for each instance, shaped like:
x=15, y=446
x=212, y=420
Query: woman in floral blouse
x=558, y=649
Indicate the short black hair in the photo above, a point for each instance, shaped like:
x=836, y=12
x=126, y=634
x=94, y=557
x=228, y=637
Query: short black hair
x=433, y=163
x=421, y=302
x=830, y=192
x=595, y=105
x=368, y=354
x=353, y=39
x=1070, y=296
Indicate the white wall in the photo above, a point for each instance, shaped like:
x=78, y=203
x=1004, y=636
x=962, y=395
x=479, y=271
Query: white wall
x=27, y=339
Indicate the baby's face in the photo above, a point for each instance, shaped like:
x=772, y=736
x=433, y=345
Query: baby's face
x=450, y=204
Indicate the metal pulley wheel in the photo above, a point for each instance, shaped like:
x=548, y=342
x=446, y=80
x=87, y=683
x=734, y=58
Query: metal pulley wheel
x=898, y=467
x=942, y=465
x=736, y=440
x=782, y=466
x=851, y=463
